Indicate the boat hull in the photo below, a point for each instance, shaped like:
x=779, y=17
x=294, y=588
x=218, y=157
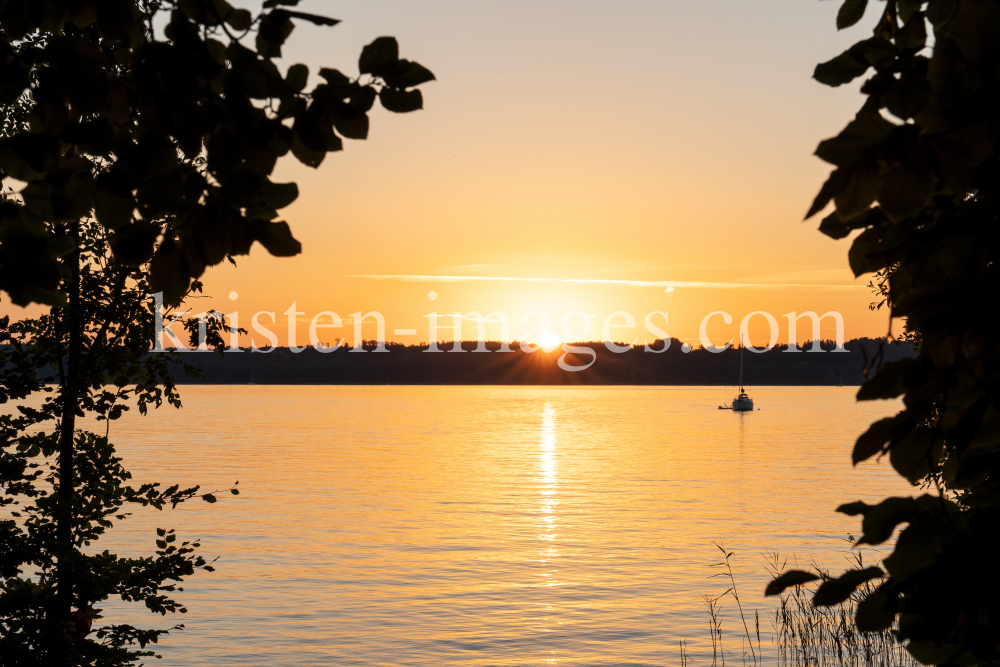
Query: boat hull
x=742, y=403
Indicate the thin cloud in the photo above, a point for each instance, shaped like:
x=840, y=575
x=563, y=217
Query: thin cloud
x=473, y=266
x=668, y=284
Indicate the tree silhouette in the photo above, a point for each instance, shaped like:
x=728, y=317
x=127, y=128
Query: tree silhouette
x=145, y=158
x=917, y=171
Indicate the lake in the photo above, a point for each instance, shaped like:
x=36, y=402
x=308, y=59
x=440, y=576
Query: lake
x=382, y=525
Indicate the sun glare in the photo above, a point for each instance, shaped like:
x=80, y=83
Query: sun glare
x=548, y=341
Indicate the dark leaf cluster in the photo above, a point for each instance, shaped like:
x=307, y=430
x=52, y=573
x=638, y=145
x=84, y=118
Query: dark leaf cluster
x=917, y=173
x=142, y=135
x=52, y=578
x=170, y=138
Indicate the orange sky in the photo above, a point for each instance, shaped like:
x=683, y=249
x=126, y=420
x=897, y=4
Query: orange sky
x=640, y=141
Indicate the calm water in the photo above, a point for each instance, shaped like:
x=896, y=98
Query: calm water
x=488, y=525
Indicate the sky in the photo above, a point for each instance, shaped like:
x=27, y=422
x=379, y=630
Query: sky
x=637, y=156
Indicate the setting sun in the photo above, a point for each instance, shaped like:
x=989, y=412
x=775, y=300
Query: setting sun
x=548, y=341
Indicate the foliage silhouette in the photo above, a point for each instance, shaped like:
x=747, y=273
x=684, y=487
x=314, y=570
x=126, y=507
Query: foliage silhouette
x=170, y=142
x=144, y=159
x=917, y=172
x=410, y=365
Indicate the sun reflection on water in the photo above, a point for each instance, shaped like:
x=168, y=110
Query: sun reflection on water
x=547, y=490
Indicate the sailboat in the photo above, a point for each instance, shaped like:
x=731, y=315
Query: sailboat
x=742, y=402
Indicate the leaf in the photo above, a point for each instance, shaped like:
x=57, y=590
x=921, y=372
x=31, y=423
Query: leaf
x=834, y=224
x=874, y=613
x=27, y=157
x=842, y=69
x=307, y=156
x=113, y=201
x=834, y=227
x=913, y=35
x=940, y=11
x=881, y=520
x=904, y=191
x=970, y=469
x=235, y=492
x=207, y=13
x=854, y=141
x=887, y=383
x=876, y=51
x=117, y=106
x=209, y=498
x=407, y=74
x=927, y=652
x=168, y=274
x=864, y=253
x=334, y=77
x=353, y=125
x=871, y=441
x=916, y=549
x=297, y=77
x=907, y=96
x=788, y=579
x=362, y=98
x=834, y=591
x=853, y=509
x=240, y=19
x=132, y=244
x=850, y=13
x=379, y=56
x=277, y=238
x=860, y=192
x=279, y=195
x=977, y=140
x=272, y=32
x=331, y=142
x=308, y=128
x=917, y=454
x=832, y=187
x=26, y=295
x=60, y=246
x=907, y=8
x=66, y=195
x=313, y=18
x=211, y=235
x=112, y=209
x=401, y=101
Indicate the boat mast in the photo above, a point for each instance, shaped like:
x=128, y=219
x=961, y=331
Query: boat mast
x=741, y=364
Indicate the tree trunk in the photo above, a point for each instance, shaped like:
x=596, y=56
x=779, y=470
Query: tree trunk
x=70, y=395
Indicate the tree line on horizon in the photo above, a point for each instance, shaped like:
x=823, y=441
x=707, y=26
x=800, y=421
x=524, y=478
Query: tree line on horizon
x=674, y=346
x=412, y=365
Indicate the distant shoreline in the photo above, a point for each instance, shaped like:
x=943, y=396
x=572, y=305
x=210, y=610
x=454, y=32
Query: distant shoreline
x=411, y=366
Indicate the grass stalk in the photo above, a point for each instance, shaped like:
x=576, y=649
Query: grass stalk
x=803, y=635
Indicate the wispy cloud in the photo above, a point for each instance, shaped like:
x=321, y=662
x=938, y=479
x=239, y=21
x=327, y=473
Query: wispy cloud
x=472, y=266
x=669, y=285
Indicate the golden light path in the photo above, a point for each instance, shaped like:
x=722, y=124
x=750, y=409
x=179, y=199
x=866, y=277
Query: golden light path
x=549, y=503
x=547, y=464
